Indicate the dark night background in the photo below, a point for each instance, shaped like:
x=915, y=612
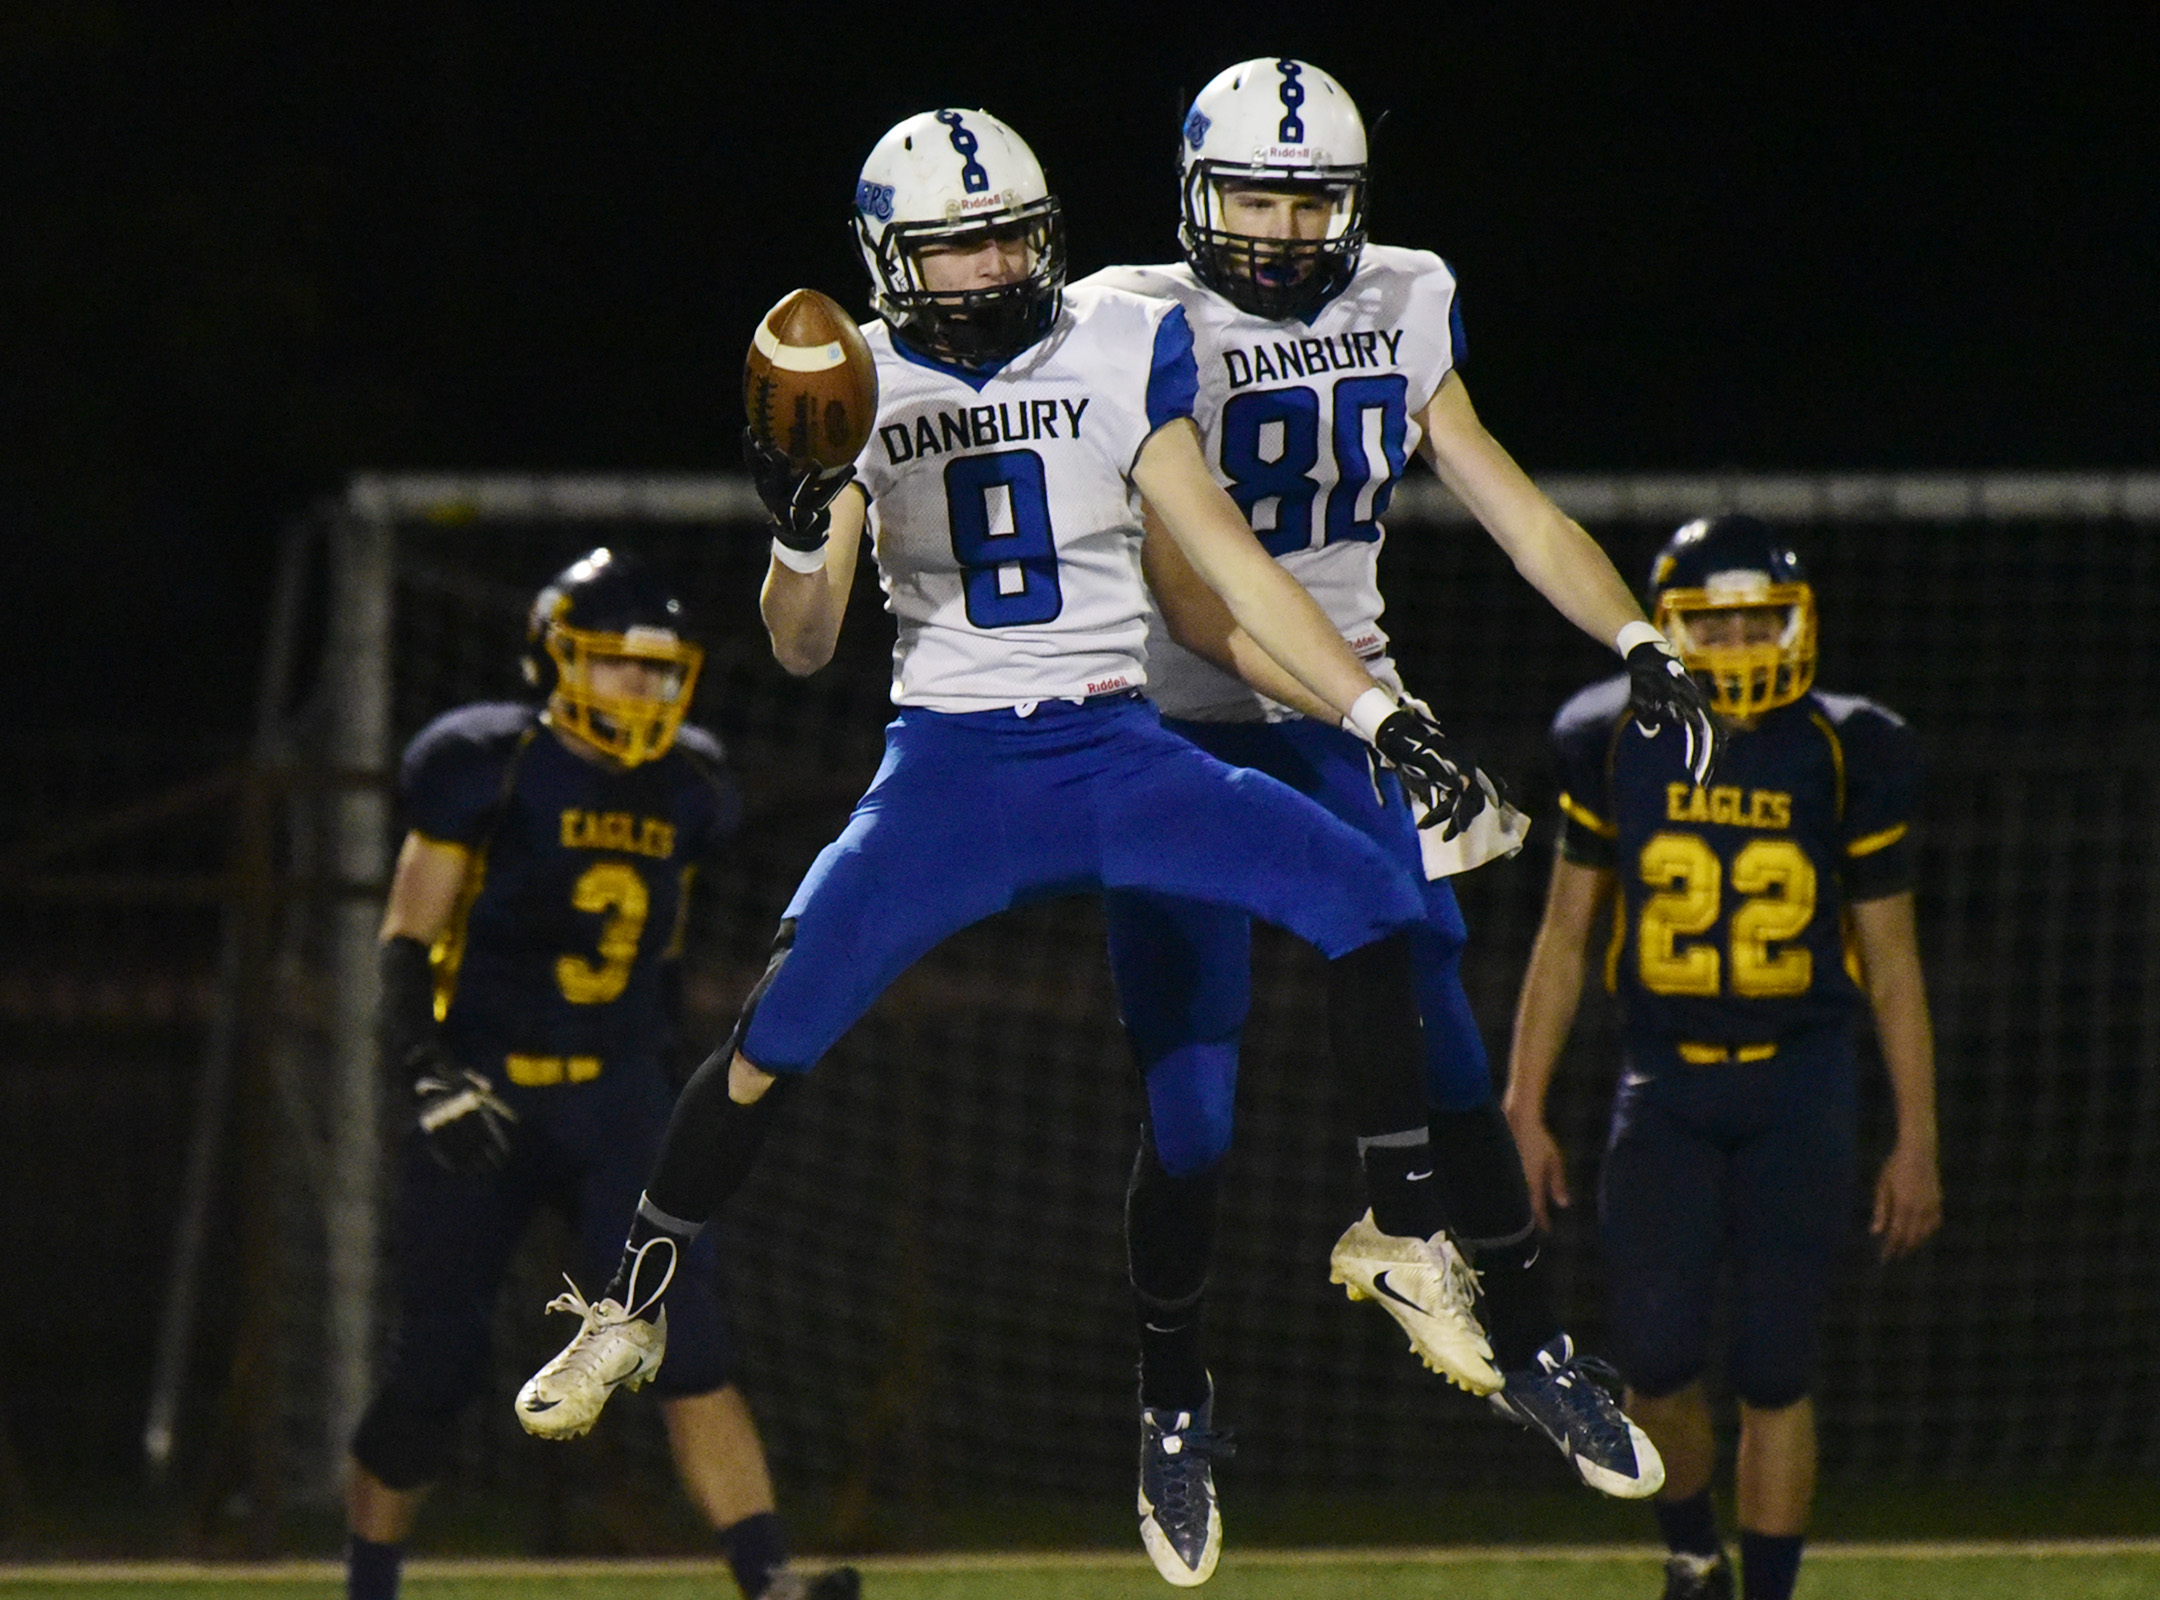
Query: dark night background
x=251, y=248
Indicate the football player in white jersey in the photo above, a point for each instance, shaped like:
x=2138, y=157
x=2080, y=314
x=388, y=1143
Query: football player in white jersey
x=1324, y=364
x=1019, y=427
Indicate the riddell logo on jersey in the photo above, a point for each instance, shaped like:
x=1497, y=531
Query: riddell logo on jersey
x=1108, y=685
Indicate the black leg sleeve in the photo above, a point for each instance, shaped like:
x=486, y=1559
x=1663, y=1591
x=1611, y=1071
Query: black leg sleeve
x=1481, y=1180
x=1487, y=1203
x=1379, y=1043
x=1169, y=1245
x=712, y=1142
x=1377, y=1038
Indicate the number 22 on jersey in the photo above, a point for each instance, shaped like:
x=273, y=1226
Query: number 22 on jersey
x=1775, y=884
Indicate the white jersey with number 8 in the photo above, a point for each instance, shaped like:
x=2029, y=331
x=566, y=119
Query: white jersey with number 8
x=1006, y=527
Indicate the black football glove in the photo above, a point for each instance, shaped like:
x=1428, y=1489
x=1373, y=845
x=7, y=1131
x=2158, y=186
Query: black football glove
x=799, y=498
x=465, y=1124
x=1660, y=689
x=1439, y=776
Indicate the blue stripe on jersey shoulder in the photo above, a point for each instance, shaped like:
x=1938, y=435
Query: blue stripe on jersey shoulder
x=1458, y=345
x=973, y=377
x=1173, y=377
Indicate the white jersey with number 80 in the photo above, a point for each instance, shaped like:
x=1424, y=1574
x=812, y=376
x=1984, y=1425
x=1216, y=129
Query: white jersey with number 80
x=1309, y=426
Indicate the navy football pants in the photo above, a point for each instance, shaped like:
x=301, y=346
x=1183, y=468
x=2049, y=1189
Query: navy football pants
x=582, y=1149
x=1748, y=1166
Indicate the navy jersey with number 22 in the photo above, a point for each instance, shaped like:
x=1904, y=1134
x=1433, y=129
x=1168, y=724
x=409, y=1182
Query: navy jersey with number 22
x=1731, y=927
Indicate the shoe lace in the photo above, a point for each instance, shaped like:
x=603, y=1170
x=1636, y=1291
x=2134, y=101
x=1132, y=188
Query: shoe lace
x=1459, y=1281
x=581, y=1357
x=583, y=1354
x=1178, y=1467
x=638, y=1308
x=1582, y=1380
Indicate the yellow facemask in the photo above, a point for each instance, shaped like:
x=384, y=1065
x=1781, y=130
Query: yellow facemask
x=629, y=727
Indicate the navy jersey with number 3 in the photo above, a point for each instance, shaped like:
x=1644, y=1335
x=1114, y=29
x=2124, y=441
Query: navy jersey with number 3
x=1730, y=924
x=575, y=894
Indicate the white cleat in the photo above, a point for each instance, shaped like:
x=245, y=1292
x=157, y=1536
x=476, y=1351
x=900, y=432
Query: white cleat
x=612, y=1350
x=1428, y=1287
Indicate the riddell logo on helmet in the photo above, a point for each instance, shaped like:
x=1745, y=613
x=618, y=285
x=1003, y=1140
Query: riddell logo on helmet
x=1294, y=152
x=980, y=202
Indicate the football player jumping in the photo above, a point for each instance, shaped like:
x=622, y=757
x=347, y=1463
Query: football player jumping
x=537, y=911
x=1325, y=363
x=1018, y=425
x=1754, y=916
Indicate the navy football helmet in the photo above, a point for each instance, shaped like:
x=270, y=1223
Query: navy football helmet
x=602, y=612
x=1735, y=602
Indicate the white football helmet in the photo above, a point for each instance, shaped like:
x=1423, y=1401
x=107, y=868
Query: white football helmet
x=1279, y=125
x=951, y=178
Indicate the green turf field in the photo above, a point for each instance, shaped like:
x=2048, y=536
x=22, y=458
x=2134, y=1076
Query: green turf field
x=2102, y=1570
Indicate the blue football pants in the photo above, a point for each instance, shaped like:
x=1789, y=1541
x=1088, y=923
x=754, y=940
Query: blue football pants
x=974, y=813
x=1183, y=967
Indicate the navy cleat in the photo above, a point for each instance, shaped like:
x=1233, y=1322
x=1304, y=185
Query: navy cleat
x=1698, y=1577
x=1559, y=1395
x=1179, y=1523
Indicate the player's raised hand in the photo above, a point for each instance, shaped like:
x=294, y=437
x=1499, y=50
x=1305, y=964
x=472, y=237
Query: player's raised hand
x=1440, y=777
x=1661, y=689
x=799, y=497
x=1908, y=1200
x=466, y=1124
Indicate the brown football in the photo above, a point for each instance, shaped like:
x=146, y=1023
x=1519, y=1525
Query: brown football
x=809, y=381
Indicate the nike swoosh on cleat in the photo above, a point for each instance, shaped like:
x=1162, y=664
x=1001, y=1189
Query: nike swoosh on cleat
x=537, y=1404
x=1380, y=1283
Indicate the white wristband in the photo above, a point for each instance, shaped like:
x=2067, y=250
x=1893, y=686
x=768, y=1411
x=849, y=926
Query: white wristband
x=1368, y=711
x=1635, y=633
x=805, y=561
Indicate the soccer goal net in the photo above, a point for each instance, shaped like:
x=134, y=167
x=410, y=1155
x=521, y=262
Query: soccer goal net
x=927, y=1270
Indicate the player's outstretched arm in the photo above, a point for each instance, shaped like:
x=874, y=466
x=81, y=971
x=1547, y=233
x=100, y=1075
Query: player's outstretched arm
x=1908, y=1193
x=1549, y=548
x=1285, y=622
x=1566, y=566
x=1198, y=620
x=1263, y=599
x=806, y=593
x=1544, y=1012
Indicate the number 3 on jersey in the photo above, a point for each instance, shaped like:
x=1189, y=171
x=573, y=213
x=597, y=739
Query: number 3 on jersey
x=1271, y=446
x=618, y=894
x=1000, y=514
